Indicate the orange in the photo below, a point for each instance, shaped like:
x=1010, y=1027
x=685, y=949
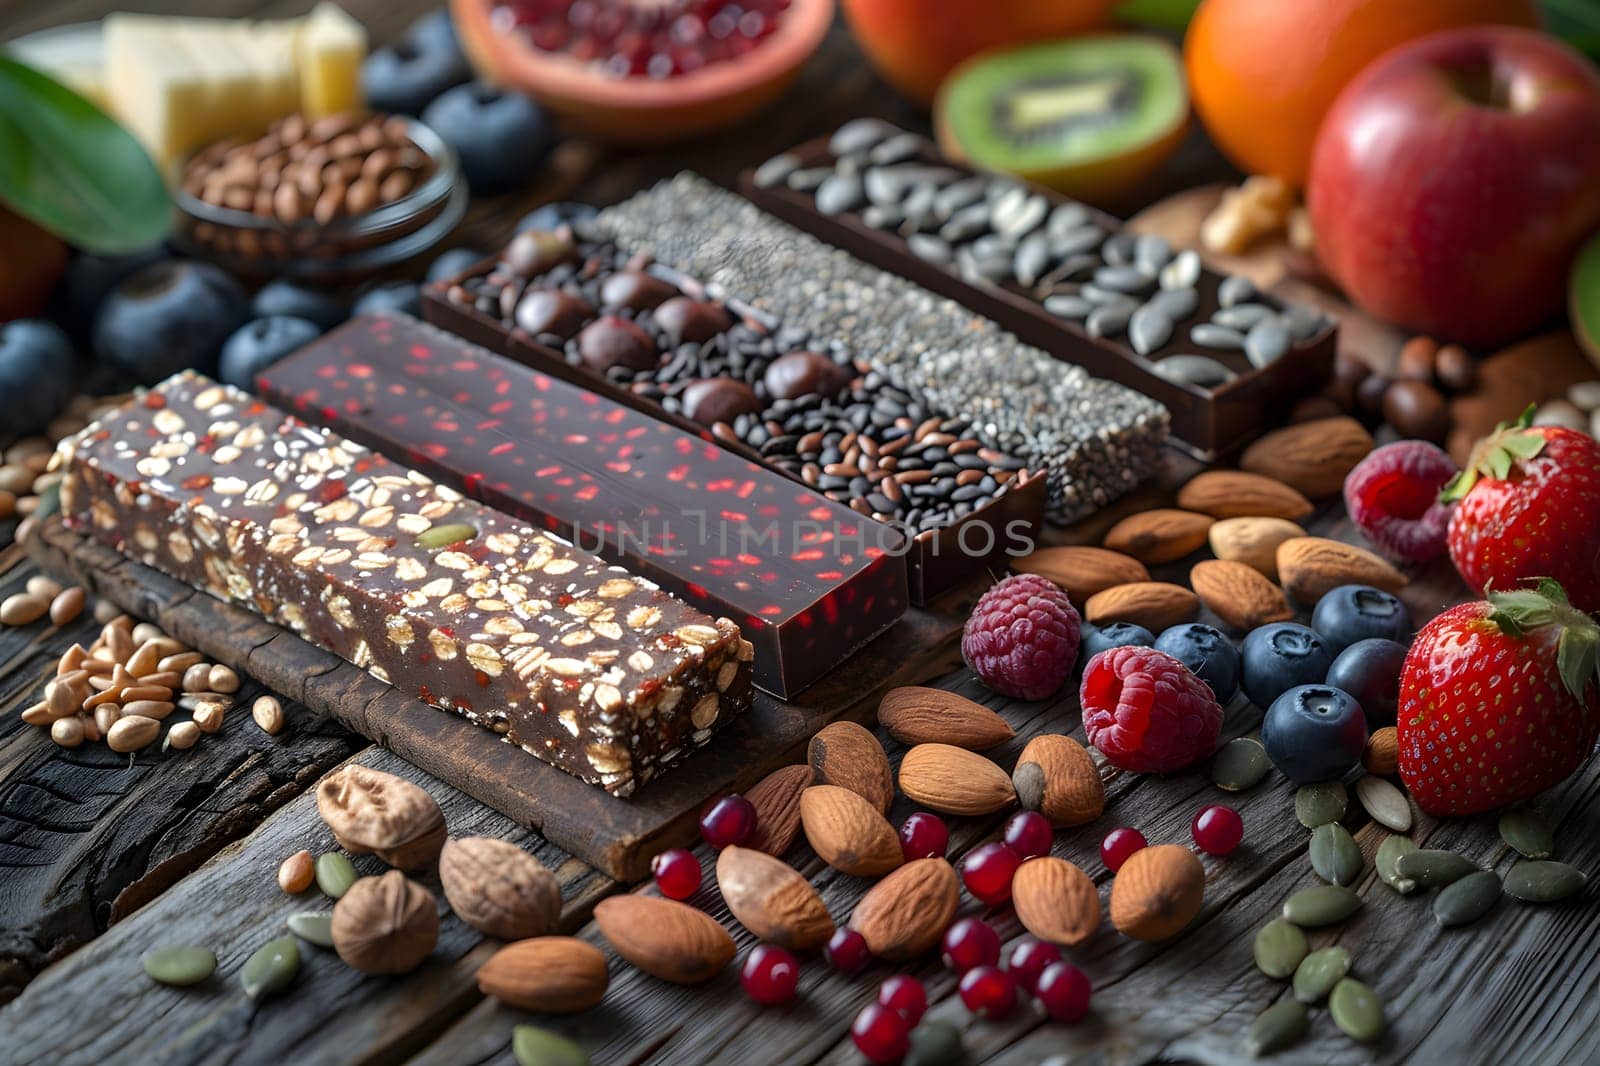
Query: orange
x=31, y=262
x=1264, y=72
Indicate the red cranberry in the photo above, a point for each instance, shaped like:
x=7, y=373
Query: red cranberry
x=924, y=836
x=970, y=942
x=881, y=1034
x=1217, y=829
x=770, y=974
x=1063, y=990
x=987, y=872
x=905, y=996
x=1118, y=845
x=1028, y=833
x=989, y=992
x=677, y=873
x=1029, y=959
x=847, y=951
x=730, y=820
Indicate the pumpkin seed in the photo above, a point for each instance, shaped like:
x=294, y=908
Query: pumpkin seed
x=179, y=965
x=1241, y=764
x=1468, y=899
x=1527, y=834
x=1319, y=972
x=1279, y=947
x=1357, y=1010
x=1321, y=905
x=1388, y=857
x=446, y=535
x=533, y=1046
x=271, y=969
x=335, y=874
x=1335, y=855
x=1386, y=803
x=1433, y=868
x=935, y=1042
x=1279, y=1026
x=1543, y=881
x=1320, y=804
x=312, y=927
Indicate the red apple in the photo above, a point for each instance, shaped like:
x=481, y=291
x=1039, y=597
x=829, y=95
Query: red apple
x=1455, y=178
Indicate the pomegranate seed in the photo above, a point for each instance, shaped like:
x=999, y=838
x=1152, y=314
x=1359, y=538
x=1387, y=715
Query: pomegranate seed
x=1217, y=829
x=987, y=872
x=989, y=992
x=730, y=820
x=1063, y=990
x=924, y=836
x=847, y=951
x=1118, y=845
x=1029, y=959
x=970, y=942
x=677, y=873
x=881, y=1034
x=1029, y=833
x=770, y=974
x=905, y=996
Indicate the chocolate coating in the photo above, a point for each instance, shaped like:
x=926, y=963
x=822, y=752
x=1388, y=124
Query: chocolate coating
x=1416, y=409
x=714, y=400
x=685, y=319
x=552, y=311
x=635, y=290
x=804, y=373
x=614, y=341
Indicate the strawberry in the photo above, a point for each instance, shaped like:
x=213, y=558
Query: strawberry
x=1529, y=508
x=1499, y=700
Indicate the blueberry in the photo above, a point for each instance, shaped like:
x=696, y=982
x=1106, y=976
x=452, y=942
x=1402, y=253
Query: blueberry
x=168, y=317
x=451, y=263
x=436, y=31
x=36, y=374
x=1314, y=733
x=1355, y=612
x=387, y=296
x=1370, y=671
x=406, y=77
x=1277, y=657
x=1096, y=639
x=88, y=281
x=500, y=137
x=1208, y=654
x=297, y=301
x=259, y=344
x=550, y=216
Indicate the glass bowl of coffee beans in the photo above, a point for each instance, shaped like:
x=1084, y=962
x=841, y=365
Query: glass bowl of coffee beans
x=327, y=199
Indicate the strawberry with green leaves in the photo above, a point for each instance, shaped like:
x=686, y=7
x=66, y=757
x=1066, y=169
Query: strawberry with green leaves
x=1499, y=700
x=1529, y=507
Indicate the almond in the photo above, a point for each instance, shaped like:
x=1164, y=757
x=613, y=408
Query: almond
x=905, y=915
x=1253, y=542
x=1082, y=571
x=1055, y=900
x=1159, y=536
x=1311, y=457
x=1382, y=756
x=776, y=799
x=953, y=780
x=1238, y=494
x=1239, y=595
x=916, y=715
x=664, y=938
x=1311, y=567
x=1156, y=605
x=548, y=975
x=772, y=900
x=848, y=755
x=1056, y=777
x=1157, y=892
x=849, y=833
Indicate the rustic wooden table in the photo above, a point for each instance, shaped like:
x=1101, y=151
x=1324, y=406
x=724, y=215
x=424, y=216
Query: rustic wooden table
x=103, y=856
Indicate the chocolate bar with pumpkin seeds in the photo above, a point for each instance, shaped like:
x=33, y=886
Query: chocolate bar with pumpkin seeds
x=596, y=671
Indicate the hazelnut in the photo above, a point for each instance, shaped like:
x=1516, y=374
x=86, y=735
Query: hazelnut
x=371, y=811
x=385, y=925
x=499, y=889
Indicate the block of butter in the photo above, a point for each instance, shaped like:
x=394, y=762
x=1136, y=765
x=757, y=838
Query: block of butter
x=328, y=51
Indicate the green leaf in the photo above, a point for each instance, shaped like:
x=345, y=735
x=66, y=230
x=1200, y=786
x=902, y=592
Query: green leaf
x=67, y=166
x=1578, y=658
x=1575, y=21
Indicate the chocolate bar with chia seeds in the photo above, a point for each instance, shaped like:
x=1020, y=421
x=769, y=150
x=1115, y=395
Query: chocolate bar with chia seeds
x=809, y=580
x=594, y=670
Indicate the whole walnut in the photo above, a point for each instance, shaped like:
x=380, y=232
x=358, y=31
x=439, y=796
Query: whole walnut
x=499, y=889
x=385, y=925
x=371, y=811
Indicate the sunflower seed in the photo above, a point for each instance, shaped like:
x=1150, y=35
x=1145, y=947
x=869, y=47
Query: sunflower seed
x=335, y=874
x=1198, y=370
x=271, y=969
x=532, y=1046
x=1067, y=306
x=313, y=928
x=1543, y=881
x=1320, y=804
x=1219, y=337
x=929, y=248
x=1433, y=868
x=776, y=170
x=1076, y=241
x=1235, y=289
x=1303, y=322
x=840, y=193
x=953, y=197
x=1241, y=764
x=1266, y=343
x=1107, y=298
x=1319, y=971
x=1176, y=303
x=1183, y=272
x=966, y=223
x=1242, y=316
x=883, y=217
x=1279, y=947
x=1335, y=855
x=1468, y=899
x=897, y=149
x=1387, y=804
x=179, y=965
x=1321, y=905
x=859, y=134
x=1527, y=834
x=1151, y=253
x=1122, y=279
x=1032, y=259
x=1107, y=320
x=1149, y=329
x=1072, y=268
x=1066, y=217
x=1118, y=249
x=808, y=179
x=1017, y=217
x=1279, y=1026
x=1385, y=861
x=1357, y=1010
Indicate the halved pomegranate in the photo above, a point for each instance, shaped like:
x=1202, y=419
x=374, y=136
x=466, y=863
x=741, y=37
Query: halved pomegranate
x=644, y=71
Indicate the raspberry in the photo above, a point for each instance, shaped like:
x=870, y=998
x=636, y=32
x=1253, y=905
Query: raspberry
x=1022, y=638
x=1146, y=712
x=1393, y=495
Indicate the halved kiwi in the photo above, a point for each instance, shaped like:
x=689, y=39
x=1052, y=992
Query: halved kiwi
x=1584, y=298
x=1089, y=116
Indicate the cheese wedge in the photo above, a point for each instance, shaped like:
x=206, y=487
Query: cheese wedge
x=329, y=49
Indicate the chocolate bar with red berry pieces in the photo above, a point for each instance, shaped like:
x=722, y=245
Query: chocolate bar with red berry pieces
x=594, y=670
x=809, y=580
